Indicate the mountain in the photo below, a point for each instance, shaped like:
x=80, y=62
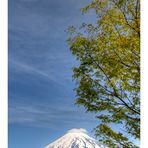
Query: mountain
x=75, y=138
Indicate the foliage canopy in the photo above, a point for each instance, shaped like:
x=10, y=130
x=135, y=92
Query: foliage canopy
x=108, y=76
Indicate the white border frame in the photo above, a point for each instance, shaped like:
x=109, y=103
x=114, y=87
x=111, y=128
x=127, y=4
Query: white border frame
x=144, y=74
x=3, y=74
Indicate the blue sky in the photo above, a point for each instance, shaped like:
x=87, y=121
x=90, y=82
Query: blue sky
x=41, y=97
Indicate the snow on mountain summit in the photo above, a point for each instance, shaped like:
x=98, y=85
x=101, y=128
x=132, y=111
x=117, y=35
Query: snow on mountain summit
x=75, y=130
x=75, y=138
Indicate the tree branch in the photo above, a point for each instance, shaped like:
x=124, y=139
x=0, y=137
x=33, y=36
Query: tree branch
x=113, y=87
x=126, y=20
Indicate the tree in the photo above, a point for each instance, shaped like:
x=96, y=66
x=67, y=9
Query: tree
x=108, y=74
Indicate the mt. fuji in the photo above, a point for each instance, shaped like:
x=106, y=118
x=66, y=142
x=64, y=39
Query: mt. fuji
x=75, y=138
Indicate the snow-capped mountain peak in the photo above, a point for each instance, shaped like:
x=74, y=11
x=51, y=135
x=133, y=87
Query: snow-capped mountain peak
x=75, y=138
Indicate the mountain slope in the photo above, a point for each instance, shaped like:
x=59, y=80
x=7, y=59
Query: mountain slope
x=75, y=138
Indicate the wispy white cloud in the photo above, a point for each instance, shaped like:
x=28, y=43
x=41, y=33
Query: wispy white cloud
x=23, y=67
x=47, y=116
